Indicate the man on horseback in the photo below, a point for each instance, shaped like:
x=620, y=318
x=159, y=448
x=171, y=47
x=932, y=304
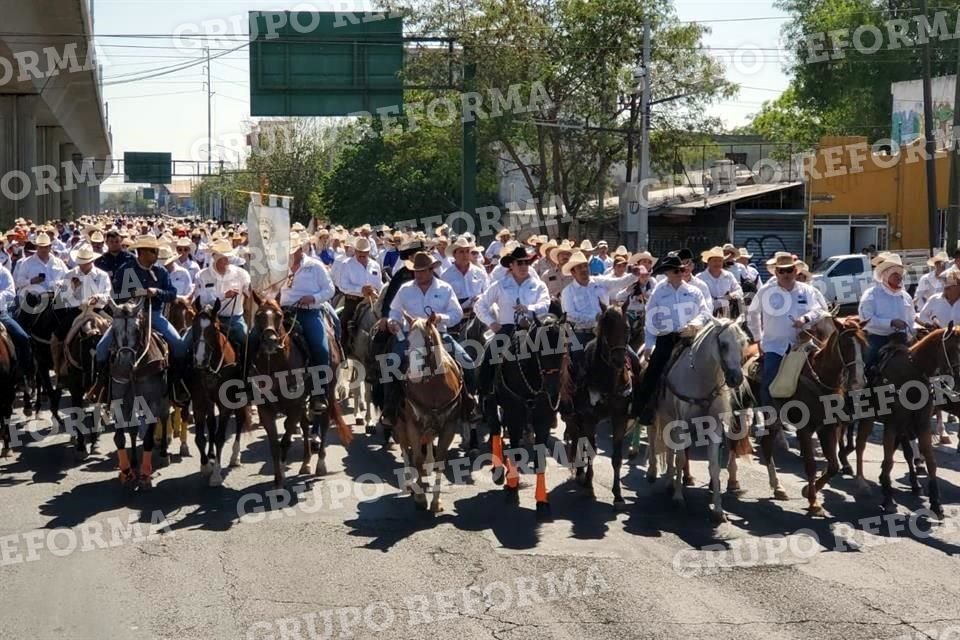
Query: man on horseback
x=467, y=279
x=115, y=257
x=778, y=313
x=84, y=283
x=229, y=284
x=19, y=337
x=676, y=310
x=582, y=300
x=425, y=295
x=725, y=290
x=142, y=277
x=516, y=296
x=886, y=309
x=356, y=275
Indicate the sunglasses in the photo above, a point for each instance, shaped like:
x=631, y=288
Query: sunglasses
x=676, y=272
x=183, y=249
x=787, y=270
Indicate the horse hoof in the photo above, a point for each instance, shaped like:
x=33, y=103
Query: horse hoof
x=815, y=510
x=321, y=468
x=216, y=480
x=921, y=470
x=436, y=507
x=163, y=461
x=945, y=439
x=805, y=491
x=497, y=475
x=581, y=478
x=421, y=505
x=632, y=453
x=305, y=468
x=206, y=469
x=81, y=453
x=370, y=429
x=315, y=444
x=184, y=450
x=235, y=461
x=937, y=511
x=651, y=478
x=619, y=504
x=846, y=470
x=5, y=453
x=718, y=517
x=734, y=488
x=780, y=494
x=513, y=496
x=544, y=513
x=889, y=506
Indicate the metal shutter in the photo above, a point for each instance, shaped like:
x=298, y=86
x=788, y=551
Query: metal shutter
x=763, y=236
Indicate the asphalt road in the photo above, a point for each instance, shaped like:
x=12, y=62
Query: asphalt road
x=351, y=557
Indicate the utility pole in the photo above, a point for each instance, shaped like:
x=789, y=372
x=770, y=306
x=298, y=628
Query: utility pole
x=468, y=192
x=209, y=116
x=930, y=143
x=953, y=210
x=644, y=212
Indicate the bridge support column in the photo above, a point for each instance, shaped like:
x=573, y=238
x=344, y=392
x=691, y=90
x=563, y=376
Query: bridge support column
x=18, y=158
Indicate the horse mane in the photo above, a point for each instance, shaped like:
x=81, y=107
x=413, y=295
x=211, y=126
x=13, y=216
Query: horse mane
x=929, y=342
x=427, y=328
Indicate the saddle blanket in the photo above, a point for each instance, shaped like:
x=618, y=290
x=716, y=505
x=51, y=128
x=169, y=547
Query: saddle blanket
x=785, y=384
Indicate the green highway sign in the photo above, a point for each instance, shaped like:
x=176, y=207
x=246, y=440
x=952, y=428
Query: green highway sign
x=149, y=193
x=147, y=168
x=321, y=64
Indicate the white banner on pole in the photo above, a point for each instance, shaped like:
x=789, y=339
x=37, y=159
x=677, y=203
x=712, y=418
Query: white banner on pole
x=269, y=233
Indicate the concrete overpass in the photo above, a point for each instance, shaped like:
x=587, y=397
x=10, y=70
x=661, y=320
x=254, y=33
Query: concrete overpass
x=52, y=115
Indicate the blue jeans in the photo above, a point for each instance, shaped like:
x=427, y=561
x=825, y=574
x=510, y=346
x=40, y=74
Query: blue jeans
x=161, y=325
x=332, y=313
x=21, y=343
x=313, y=330
x=771, y=365
x=236, y=333
x=874, y=344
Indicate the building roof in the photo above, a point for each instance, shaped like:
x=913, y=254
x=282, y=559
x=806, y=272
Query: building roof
x=740, y=193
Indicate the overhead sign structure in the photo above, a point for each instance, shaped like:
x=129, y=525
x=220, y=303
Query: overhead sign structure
x=147, y=168
x=149, y=193
x=322, y=64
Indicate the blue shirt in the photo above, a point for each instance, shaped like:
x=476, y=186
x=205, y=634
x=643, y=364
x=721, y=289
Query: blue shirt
x=133, y=276
x=597, y=266
x=328, y=257
x=112, y=263
x=390, y=258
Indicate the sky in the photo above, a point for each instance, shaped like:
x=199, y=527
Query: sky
x=169, y=113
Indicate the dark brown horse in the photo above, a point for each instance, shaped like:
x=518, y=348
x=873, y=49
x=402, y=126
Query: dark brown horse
x=830, y=371
x=78, y=369
x=602, y=388
x=215, y=365
x=180, y=313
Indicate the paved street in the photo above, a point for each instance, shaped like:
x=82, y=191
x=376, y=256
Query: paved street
x=336, y=565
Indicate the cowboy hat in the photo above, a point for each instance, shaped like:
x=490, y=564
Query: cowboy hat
x=223, y=248
x=441, y=230
x=146, y=241
x=586, y=246
x=781, y=260
x=535, y=240
x=361, y=245
x=891, y=261
x=366, y=228
x=519, y=252
x=411, y=247
x=729, y=248
x=563, y=247
x=43, y=240
x=684, y=254
x=461, y=243
x=622, y=251
x=880, y=257
x=576, y=259
x=744, y=254
x=167, y=255
x=637, y=257
x=544, y=249
x=951, y=277
x=504, y=233
x=602, y=244
x=667, y=263
x=940, y=257
x=713, y=253
x=297, y=226
x=84, y=255
x=422, y=261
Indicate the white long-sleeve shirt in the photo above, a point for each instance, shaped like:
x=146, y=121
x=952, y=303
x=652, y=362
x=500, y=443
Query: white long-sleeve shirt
x=467, y=285
x=670, y=310
x=504, y=294
x=928, y=285
x=879, y=306
x=33, y=266
x=95, y=283
x=212, y=286
x=581, y=303
x=774, y=309
x=939, y=311
x=616, y=285
x=439, y=298
x=720, y=286
x=702, y=287
x=8, y=292
x=181, y=280
x=190, y=266
x=353, y=276
x=311, y=279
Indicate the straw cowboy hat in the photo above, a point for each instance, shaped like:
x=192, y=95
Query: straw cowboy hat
x=422, y=261
x=146, y=241
x=576, y=259
x=519, y=252
x=643, y=255
x=509, y=247
x=729, y=248
x=781, y=260
x=544, y=249
x=951, y=277
x=940, y=257
x=185, y=242
x=167, y=255
x=504, y=233
x=891, y=261
x=297, y=226
x=441, y=230
x=587, y=247
x=713, y=253
x=461, y=243
x=622, y=252
x=362, y=245
x=535, y=240
x=563, y=247
x=97, y=236
x=880, y=257
x=743, y=254
x=84, y=255
x=224, y=248
x=602, y=244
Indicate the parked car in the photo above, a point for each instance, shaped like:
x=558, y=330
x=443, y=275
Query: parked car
x=843, y=279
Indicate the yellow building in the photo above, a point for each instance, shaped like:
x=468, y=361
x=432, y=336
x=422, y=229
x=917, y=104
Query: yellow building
x=860, y=196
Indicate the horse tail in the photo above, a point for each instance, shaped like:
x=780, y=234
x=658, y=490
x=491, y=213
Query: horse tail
x=740, y=446
x=343, y=430
x=566, y=380
x=657, y=442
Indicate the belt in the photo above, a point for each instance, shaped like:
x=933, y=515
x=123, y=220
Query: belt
x=348, y=296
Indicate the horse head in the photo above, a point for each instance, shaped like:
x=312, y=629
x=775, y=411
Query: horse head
x=731, y=343
x=269, y=320
x=951, y=350
x=551, y=343
x=126, y=336
x=425, y=347
x=206, y=329
x=612, y=328
x=850, y=344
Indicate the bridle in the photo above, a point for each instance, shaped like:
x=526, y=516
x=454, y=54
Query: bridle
x=439, y=415
x=845, y=365
x=533, y=394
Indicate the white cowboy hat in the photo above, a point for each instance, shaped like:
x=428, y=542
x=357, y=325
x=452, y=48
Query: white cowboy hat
x=940, y=257
x=361, y=245
x=586, y=246
x=166, y=255
x=563, y=247
x=713, y=253
x=880, y=257
x=84, y=254
x=602, y=243
x=43, y=240
x=643, y=255
x=461, y=243
x=891, y=261
x=744, y=254
x=544, y=249
x=222, y=247
x=146, y=241
x=729, y=248
x=781, y=260
x=951, y=277
x=508, y=248
x=576, y=259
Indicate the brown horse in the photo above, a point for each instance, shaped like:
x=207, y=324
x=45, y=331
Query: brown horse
x=281, y=356
x=215, y=365
x=835, y=367
x=908, y=370
x=433, y=387
x=8, y=377
x=602, y=387
x=180, y=313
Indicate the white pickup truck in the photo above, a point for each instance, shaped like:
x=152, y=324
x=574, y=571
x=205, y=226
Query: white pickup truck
x=843, y=279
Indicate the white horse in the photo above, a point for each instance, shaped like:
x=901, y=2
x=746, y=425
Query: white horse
x=697, y=405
